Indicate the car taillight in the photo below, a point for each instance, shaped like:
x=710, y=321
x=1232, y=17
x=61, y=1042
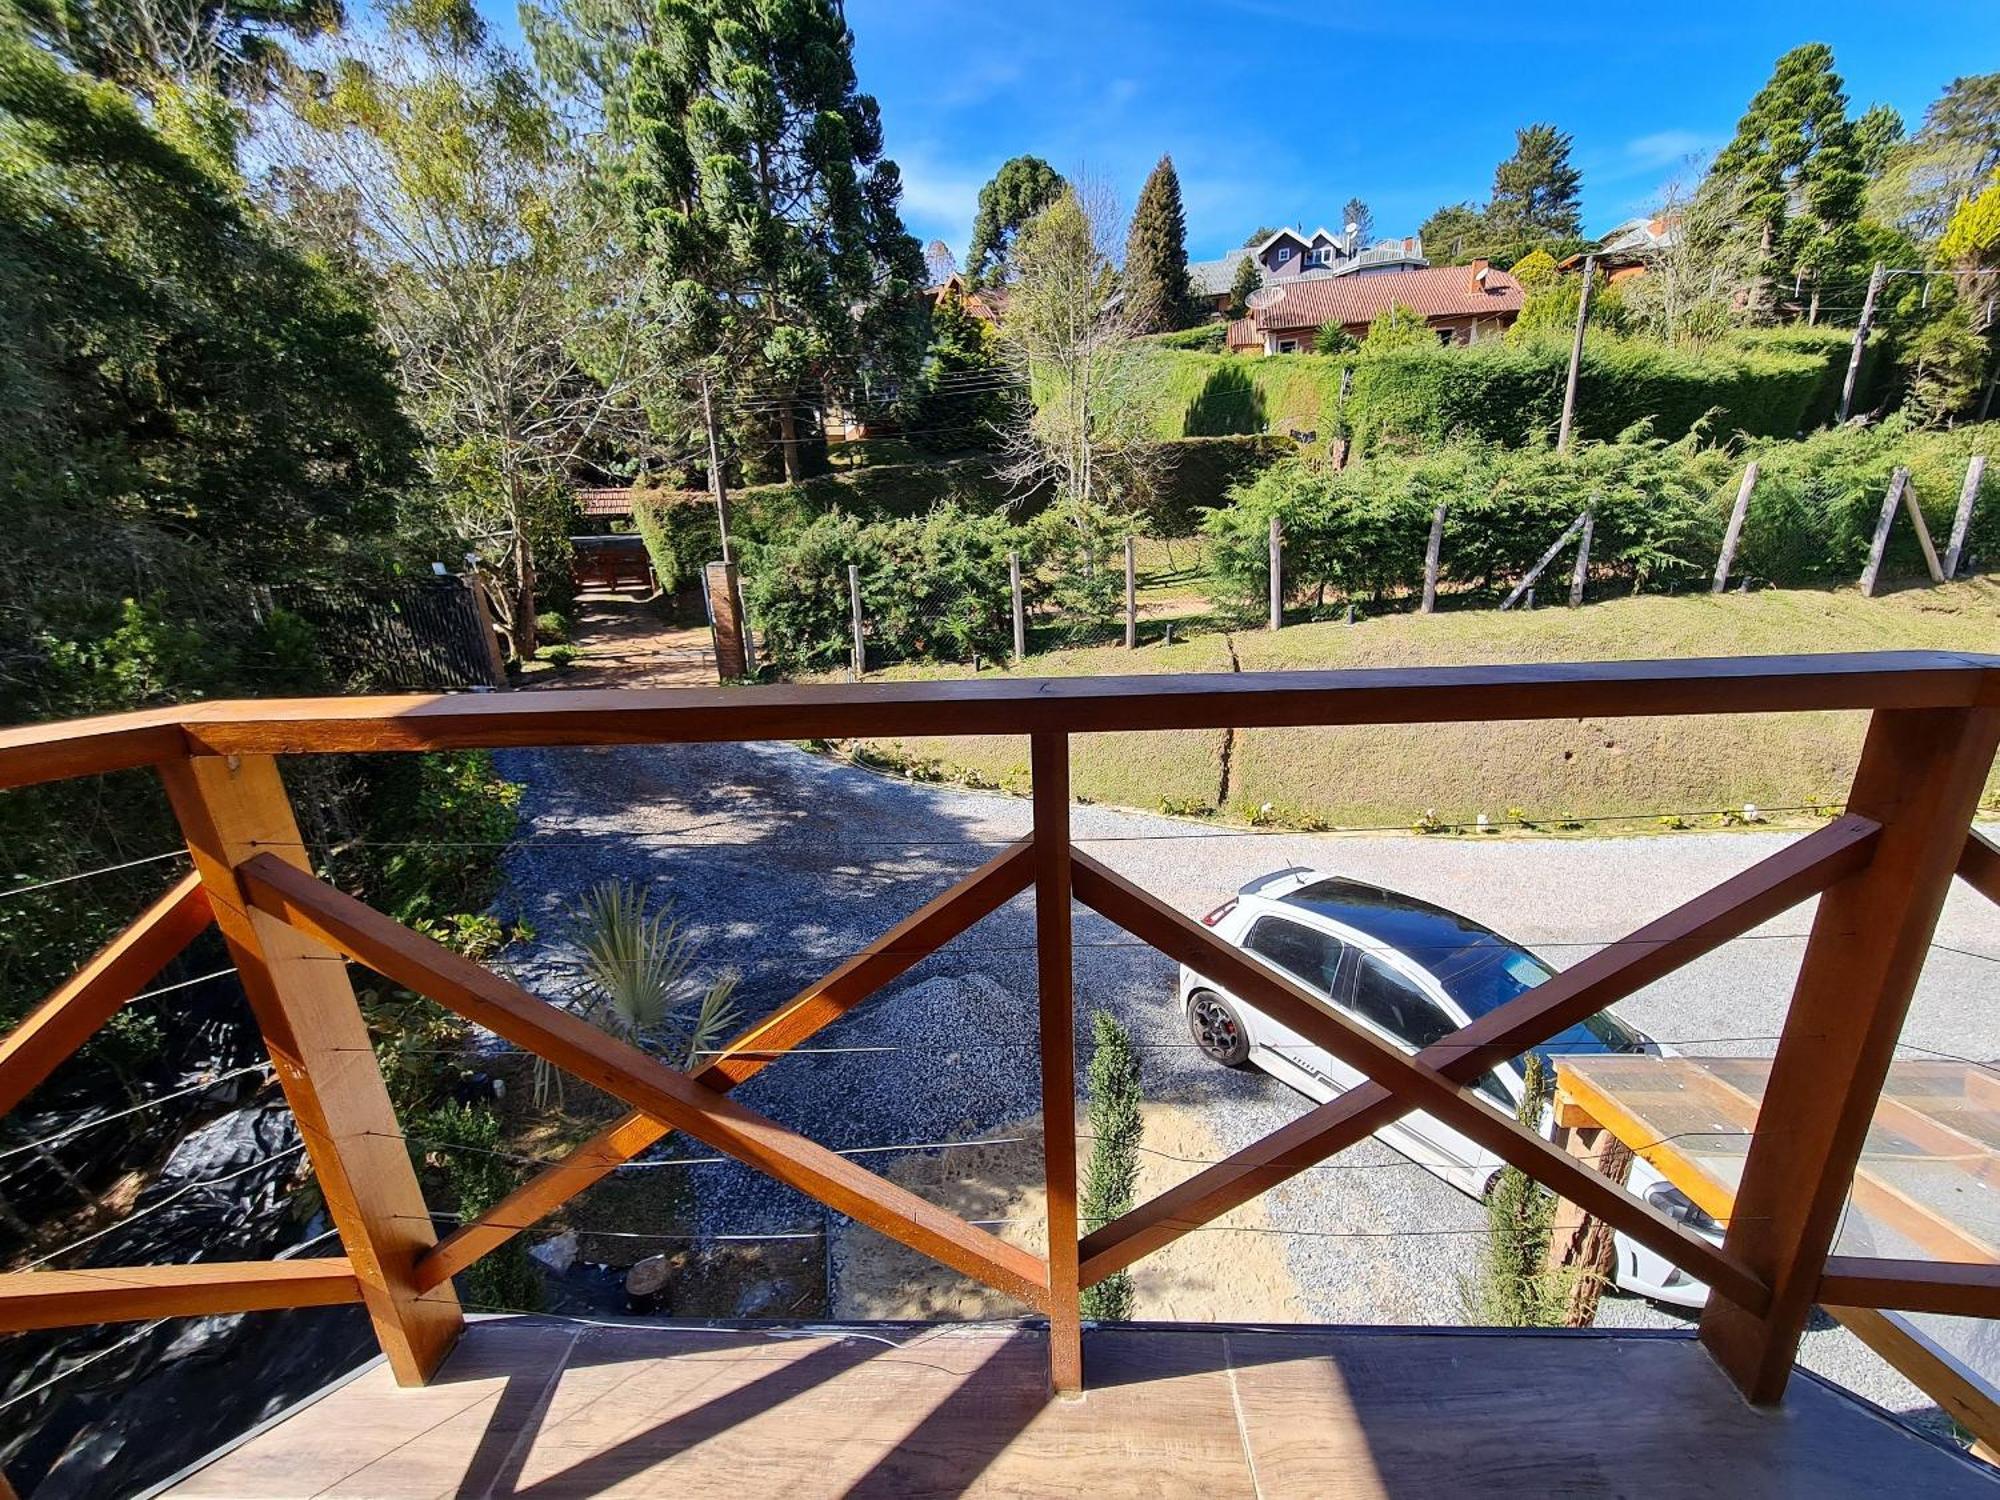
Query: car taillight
x=1219, y=913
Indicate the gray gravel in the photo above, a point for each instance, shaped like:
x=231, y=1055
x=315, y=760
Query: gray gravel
x=783, y=863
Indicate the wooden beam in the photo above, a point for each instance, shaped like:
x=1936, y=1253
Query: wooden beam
x=1961, y=521
x=1014, y=705
x=1979, y=865
x=1433, y=559
x=1769, y=887
x=1920, y=777
x=1878, y=546
x=1580, y=574
x=74, y=1010
x=1923, y=531
x=1965, y=1289
x=1546, y=558
x=1970, y=1399
x=1416, y=1081
x=1734, y=534
x=124, y=1294
x=233, y=811
x=1048, y=756
x=819, y=1004
x=317, y=911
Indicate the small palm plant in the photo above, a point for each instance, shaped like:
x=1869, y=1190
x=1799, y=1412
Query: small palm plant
x=635, y=963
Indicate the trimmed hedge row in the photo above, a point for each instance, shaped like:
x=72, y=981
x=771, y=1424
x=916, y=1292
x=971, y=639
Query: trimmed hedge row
x=1660, y=510
x=1773, y=384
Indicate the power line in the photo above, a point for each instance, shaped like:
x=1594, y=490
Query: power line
x=130, y=864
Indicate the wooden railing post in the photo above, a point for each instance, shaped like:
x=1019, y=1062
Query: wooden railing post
x=1049, y=764
x=1920, y=777
x=232, y=809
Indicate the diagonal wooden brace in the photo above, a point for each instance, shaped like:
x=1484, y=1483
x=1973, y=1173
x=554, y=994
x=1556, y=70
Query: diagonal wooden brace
x=1711, y=919
x=818, y=1005
x=347, y=926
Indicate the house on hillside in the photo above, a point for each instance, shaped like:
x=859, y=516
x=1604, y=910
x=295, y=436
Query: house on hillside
x=984, y=303
x=1294, y=255
x=1628, y=249
x=1462, y=305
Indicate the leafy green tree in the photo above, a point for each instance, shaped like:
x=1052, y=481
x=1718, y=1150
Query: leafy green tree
x=234, y=47
x=1972, y=239
x=1535, y=191
x=1535, y=270
x=1454, y=234
x=1156, y=263
x=1249, y=277
x=1795, y=161
x=767, y=213
x=1022, y=188
x=1924, y=178
x=1258, y=235
x=1398, y=327
x=1356, y=213
x=963, y=397
x=436, y=168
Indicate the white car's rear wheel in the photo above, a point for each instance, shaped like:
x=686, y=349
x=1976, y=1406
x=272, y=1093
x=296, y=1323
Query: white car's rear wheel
x=1217, y=1029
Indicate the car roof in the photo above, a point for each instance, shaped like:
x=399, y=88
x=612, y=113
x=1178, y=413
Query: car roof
x=1426, y=932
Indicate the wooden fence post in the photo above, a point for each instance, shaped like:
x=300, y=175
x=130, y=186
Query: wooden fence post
x=1871, y=575
x=1433, y=555
x=1527, y=585
x=1961, y=521
x=232, y=810
x=1734, y=534
x=860, y=666
x=1576, y=356
x=1920, y=777
x=1049, y=766
x=1580, y=574
x=1131, y=592
x=496, y=659
x=749, y=633
x=1020, y=614
x=1860, y=342
x=1277, y=574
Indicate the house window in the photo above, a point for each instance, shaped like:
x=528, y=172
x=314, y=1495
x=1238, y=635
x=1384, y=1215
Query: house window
x=1284, y=254
x=1288, y=346
x=1321, y=257
x=1447, y=336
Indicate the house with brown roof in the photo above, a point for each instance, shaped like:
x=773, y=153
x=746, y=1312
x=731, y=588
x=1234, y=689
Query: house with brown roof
x=1461, y=304
x=1294, y=255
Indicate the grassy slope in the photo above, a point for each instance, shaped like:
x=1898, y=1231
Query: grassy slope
x=1592, y=768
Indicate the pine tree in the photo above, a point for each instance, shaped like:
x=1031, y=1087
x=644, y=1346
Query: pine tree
x=1535, y=191
x=1249, y=277
x=1156, y=274
x=1356, y=213
x=1795, y=162
x=1022, y=188
x=766, y=209
x=1454, y=234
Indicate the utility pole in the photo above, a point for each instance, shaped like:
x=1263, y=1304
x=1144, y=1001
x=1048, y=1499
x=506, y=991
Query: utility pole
x=1860, y=338
x=1277, y=574
x=716, y=485
x=1576, y=354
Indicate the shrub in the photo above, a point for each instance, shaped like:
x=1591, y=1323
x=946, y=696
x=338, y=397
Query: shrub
x=552, y=627
x=1197, y=475
x=1517, y=1288
x=1398, y=327
x=430, y=848
x=1112, y=1178
x=1206, y=339
x=461, y=1143
x=562, y=658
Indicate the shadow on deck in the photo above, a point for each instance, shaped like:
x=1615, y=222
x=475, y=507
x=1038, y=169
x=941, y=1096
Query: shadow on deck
x=533, y=1407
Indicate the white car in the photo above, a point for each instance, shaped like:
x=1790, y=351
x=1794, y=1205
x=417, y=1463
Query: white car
x=1412, y=973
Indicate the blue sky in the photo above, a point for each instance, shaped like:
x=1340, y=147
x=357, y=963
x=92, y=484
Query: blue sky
x=1278, y=112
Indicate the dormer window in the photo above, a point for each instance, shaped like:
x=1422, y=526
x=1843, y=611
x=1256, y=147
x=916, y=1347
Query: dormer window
x=1284, y=254
x=1323, y=256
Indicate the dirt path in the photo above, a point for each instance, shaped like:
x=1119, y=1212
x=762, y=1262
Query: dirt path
x=623, y=643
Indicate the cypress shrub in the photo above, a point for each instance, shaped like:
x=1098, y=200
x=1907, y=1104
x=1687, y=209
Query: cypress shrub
x=1111, y=1179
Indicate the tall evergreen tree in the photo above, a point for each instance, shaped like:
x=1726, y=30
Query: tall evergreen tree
x=1249, y=277
x=1795, y=162
x=1156, y=263
x=766, y=209
x=1535, y=191
x=1022, y=188
x=1357, y=213
x=1455, y=233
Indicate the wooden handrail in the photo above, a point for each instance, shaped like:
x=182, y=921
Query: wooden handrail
x=1968, y=1289
x=1067, y=705
x=1979, y=865
x=123, y=1294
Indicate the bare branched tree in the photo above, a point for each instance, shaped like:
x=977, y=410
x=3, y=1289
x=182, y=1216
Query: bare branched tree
x=1698, y=274
x=430, y=162
x=1087, y=425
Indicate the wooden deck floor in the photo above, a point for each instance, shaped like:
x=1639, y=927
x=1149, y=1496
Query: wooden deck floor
x=529, y=1407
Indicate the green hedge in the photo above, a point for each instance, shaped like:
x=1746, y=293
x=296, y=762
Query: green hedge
x=1660, y=513
x=1773, y=385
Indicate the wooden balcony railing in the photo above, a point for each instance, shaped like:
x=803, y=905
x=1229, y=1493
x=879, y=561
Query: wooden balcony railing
x=1881, y=871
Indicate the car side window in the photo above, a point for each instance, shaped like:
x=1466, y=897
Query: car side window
x=1308, y=955
x=1396, y=1004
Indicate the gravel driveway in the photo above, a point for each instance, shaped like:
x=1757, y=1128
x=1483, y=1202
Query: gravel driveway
x=783, y=863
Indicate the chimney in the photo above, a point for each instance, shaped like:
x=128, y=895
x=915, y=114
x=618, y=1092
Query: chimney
x=1479, y=273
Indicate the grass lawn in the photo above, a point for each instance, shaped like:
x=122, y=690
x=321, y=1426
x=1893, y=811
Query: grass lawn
x=1632, y=770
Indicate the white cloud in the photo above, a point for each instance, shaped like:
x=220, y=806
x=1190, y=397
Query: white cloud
x=1664, y=148
x=938, y=200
